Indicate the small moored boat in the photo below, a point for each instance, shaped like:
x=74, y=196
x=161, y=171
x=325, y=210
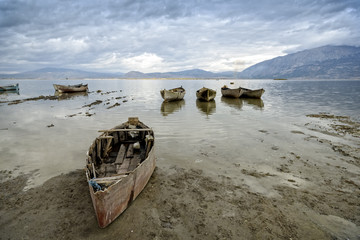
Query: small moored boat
x=205, y=94
x=71, y=88
x=13, y=88
x=252, y=93
x=173, y=94
x=119, y=164
x=231, y=92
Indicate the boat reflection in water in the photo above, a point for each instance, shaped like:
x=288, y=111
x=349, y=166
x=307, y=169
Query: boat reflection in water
x=4, y=93
x=233, y=102
x=256, y=103
x=206, y=107
x=68, y=96
x=171, y=107
x=238, y=103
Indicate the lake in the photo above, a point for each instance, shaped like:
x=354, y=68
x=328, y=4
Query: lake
x=48, y=137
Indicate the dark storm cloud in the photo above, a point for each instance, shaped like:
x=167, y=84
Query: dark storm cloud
x=160, y=35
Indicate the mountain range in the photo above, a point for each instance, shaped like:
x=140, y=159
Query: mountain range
x=327, y=62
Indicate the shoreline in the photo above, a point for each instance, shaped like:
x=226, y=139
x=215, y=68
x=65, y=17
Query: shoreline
x=318, y=201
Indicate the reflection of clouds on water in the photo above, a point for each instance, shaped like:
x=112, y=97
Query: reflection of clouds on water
x=256, y=103
x=206, y=107
x=233, y=102
x=171, y=107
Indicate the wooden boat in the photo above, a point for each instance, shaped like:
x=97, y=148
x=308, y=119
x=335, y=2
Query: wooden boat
x=71, y=88
x=173, y=94
x=119, y=164
x=252, y=93
x=13, y=88
x=205, y=94
x=231, y=92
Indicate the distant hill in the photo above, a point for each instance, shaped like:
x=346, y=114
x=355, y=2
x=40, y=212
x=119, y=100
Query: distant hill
x=328, y=62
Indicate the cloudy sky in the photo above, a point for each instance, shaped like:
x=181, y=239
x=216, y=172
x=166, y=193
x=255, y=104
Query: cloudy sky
x=167, y=35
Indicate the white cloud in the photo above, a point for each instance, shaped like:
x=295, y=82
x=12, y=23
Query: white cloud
x=146, y=62
x=162, y=36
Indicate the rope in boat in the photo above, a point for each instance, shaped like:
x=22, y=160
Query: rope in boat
x=95, y=185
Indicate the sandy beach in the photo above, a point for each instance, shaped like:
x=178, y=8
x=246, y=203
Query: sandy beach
x=183, y=203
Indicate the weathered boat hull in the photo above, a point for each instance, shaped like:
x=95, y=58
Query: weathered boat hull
x=248, y=93
x=205, y=94
x=174, y=94
x=11, y=88
x=113, y=201
x=233, y=93
x=115, y=182
x=71, y=88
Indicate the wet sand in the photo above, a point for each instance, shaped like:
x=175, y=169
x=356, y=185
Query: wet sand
x=318, y=200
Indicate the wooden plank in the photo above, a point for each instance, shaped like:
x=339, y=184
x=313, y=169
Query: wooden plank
x=108, y=181
x=126, y=130
x=98, y=145
x=121, y=154
x=114, y=177
x=93, y=167
x=107, y=147
x=130, y=151
x=106, y=137
x=134, y=162
x=124, y=166
x=149, y=143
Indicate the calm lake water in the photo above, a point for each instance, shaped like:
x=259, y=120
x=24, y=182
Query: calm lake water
x=215, y=136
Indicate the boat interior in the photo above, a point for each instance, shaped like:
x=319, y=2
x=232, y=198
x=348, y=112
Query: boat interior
x=120, y=150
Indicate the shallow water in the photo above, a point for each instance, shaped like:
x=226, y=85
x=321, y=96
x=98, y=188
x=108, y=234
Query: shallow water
x=217, y=137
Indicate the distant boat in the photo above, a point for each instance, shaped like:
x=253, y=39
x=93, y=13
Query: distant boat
x=205, y=94
x=280, y=78
x=173, y=94
x=13, y=88
x=229, y=92
x=119, y=164
x=257, y=93
x=71, y=88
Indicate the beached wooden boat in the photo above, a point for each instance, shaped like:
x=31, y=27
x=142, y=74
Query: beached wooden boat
x=71, y=88
x=13, y=88
x=205, y=94
x=173, y=94
x=252, y=93
x=231, y=92
x=119, y=164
